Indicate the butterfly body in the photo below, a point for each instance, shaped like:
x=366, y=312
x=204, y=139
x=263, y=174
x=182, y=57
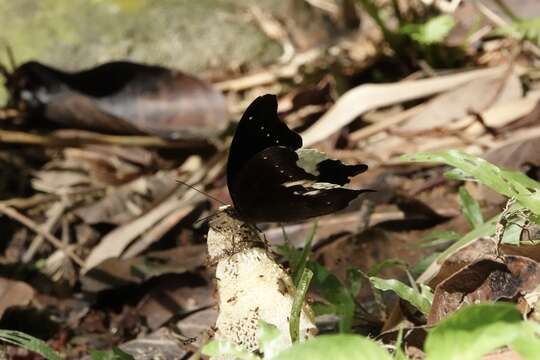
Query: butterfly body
x=271, y=179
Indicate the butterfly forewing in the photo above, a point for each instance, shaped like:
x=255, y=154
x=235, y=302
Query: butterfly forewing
x=259, y=128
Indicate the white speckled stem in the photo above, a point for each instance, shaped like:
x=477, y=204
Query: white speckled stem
x=251, y=286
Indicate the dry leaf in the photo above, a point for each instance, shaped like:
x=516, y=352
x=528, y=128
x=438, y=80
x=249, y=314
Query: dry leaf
x=120, y=97
x=14, y=293
x=171, y=296
x=358, y=100
x=485, y=280
x=162, y=344
x=474, y=96
x=119, y=272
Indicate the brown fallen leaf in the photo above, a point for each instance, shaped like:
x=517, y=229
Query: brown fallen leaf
x=161, y=344
x=120, y=97
x=358, y=100
x=487, y=280
x=472, y=252
x=118, y=272
x=503, y=354
x=171, y=296
x=520, y=155
x=198, y=323
x=14, y=293
x=474, y=96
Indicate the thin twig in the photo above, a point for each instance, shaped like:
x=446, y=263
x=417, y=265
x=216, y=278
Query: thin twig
x=29, y=223
x=57, y=210
x=19, y=137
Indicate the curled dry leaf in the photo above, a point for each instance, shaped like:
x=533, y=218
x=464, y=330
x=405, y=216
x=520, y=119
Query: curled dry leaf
x=358, y=100
x=520, y=155
x=472, y=252
x=120, y=97
x=490, y=279
x=474, y=96
x=14, y=293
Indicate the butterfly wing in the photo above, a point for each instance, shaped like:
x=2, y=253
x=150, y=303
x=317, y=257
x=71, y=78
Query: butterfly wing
x=259, y=128
x=273, y=187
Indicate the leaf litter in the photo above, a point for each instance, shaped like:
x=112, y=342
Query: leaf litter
x=102, y=241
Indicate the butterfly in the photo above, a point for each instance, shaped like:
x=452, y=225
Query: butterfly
x=271, y=179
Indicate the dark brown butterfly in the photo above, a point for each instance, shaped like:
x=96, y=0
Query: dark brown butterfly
x=271, y=179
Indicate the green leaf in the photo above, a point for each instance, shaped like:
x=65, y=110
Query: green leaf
x=486, y=229
x=525, y=29
x=114, y=354
x=300, y=262
x=336, y=347
x=423, y=264
x=419, y=299
x=506, y=182
x=458, y=175
x=298, y=304
x=435, y=30
x=355, y=278
x=527, y=344
x=30, y=343
x=470, y=208
x=377, y=268
x=320, y=308
x=442, y=235
x=512, y=231
x=269, y=341
x=473, y=332
x=333, y=291
x=227, y=348
x=437, y=238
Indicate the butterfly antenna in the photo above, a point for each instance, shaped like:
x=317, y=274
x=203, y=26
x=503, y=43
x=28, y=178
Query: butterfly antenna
x=200, y=192
x=203, y=219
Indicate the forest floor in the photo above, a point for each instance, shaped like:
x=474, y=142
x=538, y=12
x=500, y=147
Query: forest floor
x=102, y=247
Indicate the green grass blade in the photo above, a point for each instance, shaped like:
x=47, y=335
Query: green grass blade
x=300, y=264
x=506, y=182
x=298, y=303
x=29, y=343
x=419, y=299
x=470, y=208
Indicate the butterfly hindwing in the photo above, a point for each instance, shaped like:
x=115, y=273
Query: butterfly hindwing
x=274, y=188
x=327, y=170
